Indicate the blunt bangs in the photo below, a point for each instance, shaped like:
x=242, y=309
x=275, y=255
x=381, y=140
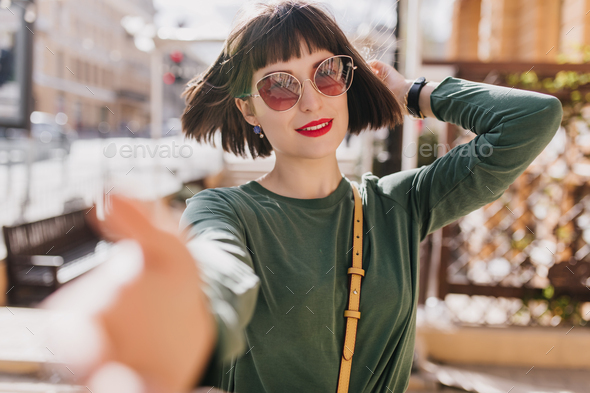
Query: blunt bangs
x=279, y=37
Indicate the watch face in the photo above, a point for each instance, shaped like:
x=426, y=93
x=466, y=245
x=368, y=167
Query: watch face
x=421, y=80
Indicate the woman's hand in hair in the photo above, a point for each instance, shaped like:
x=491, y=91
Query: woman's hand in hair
x=395, y=81
x=140, y=319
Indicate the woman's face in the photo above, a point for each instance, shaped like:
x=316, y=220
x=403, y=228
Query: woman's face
x=281, y=127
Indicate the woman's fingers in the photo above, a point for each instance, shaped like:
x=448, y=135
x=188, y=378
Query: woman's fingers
x=395, y=81
x=379, y=68
x=99, y=227
x=149, y=223
x=77, y=336
x=130, y=218
x=114, y=377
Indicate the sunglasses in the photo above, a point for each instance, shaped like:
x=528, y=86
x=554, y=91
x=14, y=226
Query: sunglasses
x=281, y=91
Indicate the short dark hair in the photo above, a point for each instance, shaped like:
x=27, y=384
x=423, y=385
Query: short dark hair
x=275, y=32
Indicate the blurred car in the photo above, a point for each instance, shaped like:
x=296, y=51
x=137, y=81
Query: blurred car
x=51, y=137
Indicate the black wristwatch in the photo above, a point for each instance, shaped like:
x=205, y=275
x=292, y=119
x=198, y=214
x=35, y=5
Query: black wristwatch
x=413, y=95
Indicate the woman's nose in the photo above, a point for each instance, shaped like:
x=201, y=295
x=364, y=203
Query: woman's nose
x=311, y=99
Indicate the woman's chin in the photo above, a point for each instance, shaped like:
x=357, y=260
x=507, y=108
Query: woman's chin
x=319, y=151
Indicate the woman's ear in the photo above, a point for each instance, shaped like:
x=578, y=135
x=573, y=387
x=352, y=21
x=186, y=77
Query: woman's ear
x=247, y=111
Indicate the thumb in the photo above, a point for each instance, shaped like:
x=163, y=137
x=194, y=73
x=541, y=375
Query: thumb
x=129, y=218
x=152, y=225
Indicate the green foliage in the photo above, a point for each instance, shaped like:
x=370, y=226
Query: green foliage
x=557, y=311
x=564, y=234
x=569, y=81
x=561, y=309
x=548, y=292
x=523, y=243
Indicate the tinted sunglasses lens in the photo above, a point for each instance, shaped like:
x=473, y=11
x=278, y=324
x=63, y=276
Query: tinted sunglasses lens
x=280, y=91
x=334, y=76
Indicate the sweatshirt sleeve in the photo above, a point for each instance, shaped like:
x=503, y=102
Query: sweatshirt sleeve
x=513, y=126
x=217, y=240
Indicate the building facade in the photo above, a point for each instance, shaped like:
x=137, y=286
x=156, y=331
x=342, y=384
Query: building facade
x=519, y=30
x=87, y=66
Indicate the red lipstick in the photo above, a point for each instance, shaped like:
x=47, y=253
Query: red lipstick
x=327, y=125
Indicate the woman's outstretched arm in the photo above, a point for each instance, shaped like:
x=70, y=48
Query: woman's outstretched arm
x=217, y=240
x=142, y=315
x=170, y=308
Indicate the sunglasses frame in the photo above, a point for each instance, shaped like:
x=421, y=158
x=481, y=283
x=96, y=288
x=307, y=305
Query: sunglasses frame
x=302, y=84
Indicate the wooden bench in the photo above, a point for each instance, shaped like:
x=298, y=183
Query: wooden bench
x=45, y=254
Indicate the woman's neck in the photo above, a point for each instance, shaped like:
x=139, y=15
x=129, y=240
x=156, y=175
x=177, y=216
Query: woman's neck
x=303, y=178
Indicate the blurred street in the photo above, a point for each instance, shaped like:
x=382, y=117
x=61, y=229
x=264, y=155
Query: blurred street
x=81, y=176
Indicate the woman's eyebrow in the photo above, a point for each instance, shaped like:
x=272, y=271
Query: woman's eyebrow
x=291, y=72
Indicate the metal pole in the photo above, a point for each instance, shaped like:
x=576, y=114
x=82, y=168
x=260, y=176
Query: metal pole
x=156, y=90
x=28, y=42
x=412, y=66
x=394, y=139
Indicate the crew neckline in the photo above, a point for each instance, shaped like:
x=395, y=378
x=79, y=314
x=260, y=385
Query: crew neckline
x=315, y=203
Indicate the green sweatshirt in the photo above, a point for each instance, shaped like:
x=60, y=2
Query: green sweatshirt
x=275, y=267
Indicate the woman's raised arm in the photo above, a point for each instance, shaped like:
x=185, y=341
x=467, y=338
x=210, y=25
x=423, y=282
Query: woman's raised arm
x=512, y=128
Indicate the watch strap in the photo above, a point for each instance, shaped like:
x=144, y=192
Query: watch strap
x=413, y=97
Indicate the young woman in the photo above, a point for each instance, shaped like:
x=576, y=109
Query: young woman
x=289, y=81
x=274, y=253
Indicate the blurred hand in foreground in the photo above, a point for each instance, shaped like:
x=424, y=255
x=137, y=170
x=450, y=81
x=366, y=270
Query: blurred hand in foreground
x=138, y=322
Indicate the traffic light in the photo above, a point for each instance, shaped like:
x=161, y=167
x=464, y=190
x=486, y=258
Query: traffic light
x=175, y=73
x=176, y=56
x=169, y=78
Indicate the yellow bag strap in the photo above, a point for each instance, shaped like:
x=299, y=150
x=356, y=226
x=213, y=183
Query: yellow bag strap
x=352, y=314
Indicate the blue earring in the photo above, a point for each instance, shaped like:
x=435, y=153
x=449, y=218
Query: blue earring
x=258, y=130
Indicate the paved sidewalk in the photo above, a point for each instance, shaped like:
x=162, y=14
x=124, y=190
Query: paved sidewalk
x=498, y=379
